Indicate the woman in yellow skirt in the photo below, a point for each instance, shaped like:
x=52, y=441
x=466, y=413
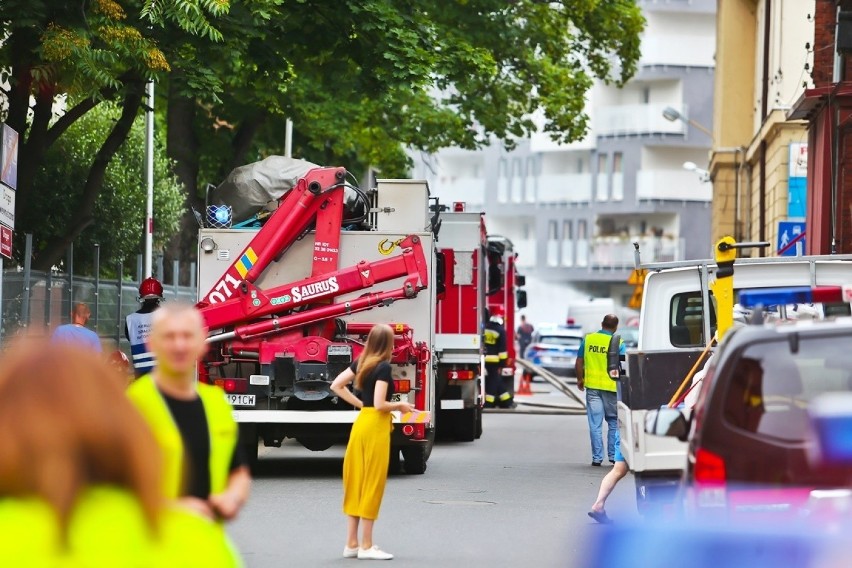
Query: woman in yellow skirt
x=365, y=466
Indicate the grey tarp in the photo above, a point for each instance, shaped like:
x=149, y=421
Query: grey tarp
x=249, y=188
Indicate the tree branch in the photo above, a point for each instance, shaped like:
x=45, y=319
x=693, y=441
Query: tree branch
x=66, y=120
x=84, y=216
x=243, y=138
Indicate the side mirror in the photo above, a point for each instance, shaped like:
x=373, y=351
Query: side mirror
x=613, y=358
x=440, y=274
x=520, y=280
x=495, y=279
x=669, y=422
x=521, y=299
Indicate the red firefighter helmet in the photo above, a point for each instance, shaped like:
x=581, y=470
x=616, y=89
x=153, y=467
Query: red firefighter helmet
x=150, y=289
x=497, y=311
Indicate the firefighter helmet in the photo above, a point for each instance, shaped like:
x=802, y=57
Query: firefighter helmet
x=497, y=312
x=150, y=289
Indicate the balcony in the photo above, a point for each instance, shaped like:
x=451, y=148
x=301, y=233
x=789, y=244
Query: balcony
x=671, y=185
x=618, y=252
x=686, y=51
x=563, y=188
x=623, y=120
x=471, y=190
x=526, y=251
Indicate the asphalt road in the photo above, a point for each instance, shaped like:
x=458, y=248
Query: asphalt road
x=516, y=497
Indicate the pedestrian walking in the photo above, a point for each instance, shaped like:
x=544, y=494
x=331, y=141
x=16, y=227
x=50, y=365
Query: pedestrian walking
x=365, y=465
x=496, y=359
x=617, y=473
x=137, y=326
x=80, y=471
x=524, y=336
x=192, y=422
x=601, y=396
x=76, y=332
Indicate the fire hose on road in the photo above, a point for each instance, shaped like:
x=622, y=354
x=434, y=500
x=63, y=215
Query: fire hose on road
x=558, y=383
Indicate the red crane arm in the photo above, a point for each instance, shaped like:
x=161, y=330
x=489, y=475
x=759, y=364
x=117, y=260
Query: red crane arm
x=252, y=303
x=297, y=209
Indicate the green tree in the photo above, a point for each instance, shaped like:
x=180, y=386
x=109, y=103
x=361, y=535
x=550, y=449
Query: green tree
x=118, y=224
x=363, y=79
x=87, y=53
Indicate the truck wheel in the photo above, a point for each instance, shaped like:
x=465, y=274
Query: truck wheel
x=478, y=423
x=465, y=425
x=415, y=459
x=316, y=444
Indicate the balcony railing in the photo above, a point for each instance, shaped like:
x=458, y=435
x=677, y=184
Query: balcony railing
x=618, y=252
x=526, y=251
x=563, y=188
x=637, y=119
x=471, y=190
x=678, y=185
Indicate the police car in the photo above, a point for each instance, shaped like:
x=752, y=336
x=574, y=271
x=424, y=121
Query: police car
x=555, y=349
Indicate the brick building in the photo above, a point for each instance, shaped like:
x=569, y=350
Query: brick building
x=828, y=109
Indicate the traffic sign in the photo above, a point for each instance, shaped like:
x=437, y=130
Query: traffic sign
x=791, y=238
x=9, y=157
x=6, y=241
x=637, y=277
x=7, y=206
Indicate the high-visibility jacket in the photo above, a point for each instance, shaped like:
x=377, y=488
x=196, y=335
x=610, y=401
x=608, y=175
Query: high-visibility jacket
x=494, y=338
x=138, y=329
x=220, y=423
x=595, y=346
x=107, y=528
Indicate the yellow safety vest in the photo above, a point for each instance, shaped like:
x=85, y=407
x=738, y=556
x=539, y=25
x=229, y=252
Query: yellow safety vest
x=594, y=362
x=107, y=528
x=220, y=423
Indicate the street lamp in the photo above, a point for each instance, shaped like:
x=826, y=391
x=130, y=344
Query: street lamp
x=672, y=114
x=703, y=174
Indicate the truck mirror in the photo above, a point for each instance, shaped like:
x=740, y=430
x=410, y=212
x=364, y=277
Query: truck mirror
x=669, y=422
x=522, y=299
x=613, y=358
x=520, y=280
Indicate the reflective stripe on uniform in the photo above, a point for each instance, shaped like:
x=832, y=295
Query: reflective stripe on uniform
x=505, y=396
x=503, y=355
x=492, y=358
x=489, y=398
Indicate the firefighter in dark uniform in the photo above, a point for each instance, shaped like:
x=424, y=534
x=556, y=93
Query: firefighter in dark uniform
x=496, y=358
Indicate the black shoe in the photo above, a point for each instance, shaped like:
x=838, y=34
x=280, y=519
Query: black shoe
x=596, y=464
x=509, y=406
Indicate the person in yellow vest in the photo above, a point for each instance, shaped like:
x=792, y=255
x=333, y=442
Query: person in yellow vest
x=80, y=471
x=192, y=422
x=601, y=396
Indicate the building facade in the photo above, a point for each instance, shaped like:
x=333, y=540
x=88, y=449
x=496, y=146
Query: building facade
x=759, y=159
x=574, y=211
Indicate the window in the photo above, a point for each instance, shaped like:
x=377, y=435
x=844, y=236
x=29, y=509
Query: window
x=603, y=178
x=776, y=407
x=617, y=176
x=646, y=95
x=567, y=243
x=552, y=243
x=686, y=320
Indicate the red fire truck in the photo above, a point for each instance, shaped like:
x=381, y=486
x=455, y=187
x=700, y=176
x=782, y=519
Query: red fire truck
x=287, y=308
x=479, y=275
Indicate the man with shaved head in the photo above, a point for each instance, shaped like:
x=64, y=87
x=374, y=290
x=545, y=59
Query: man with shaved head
x=192, y=421
x=76, y=331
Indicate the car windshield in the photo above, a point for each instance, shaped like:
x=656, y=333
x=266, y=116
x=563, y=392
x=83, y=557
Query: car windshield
x=560, y=340
x=774, y=381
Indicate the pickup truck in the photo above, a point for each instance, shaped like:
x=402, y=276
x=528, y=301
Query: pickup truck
x=677, y=320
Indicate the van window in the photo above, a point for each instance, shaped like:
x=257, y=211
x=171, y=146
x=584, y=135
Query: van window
x=686, y=320
x=770, y=386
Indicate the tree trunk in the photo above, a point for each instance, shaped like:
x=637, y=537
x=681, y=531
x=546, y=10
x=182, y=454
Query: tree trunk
x=34, y=149
x=83, y=215
x=242, y=141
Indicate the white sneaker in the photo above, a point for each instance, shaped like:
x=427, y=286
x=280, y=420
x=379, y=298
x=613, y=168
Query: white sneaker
x=373, y=554
x=350, y=552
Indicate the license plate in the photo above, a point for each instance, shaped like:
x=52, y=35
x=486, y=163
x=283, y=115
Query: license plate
x=241, y=399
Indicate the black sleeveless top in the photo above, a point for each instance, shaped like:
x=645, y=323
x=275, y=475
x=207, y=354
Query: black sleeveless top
x=382, y=372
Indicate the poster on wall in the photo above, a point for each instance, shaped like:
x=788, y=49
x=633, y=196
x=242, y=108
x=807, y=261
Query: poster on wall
x=798, y=181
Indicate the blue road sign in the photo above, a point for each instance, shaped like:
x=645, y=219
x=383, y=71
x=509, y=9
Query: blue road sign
x=791, y=238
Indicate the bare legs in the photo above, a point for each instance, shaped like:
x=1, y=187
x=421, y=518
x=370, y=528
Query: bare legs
x=618, y=471
x=366, y=532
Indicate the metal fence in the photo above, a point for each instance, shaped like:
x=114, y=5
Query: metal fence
x=39, y=301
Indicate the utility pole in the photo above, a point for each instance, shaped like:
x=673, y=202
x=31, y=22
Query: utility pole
x=149, y=179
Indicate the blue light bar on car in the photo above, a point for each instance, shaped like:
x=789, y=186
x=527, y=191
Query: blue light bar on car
x=792, y=295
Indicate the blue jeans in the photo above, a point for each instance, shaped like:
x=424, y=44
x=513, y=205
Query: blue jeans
x=600, y=406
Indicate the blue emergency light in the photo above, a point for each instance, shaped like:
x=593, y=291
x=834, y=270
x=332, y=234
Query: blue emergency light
x=791, y=295
x=831, y=416
x=219, y=216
